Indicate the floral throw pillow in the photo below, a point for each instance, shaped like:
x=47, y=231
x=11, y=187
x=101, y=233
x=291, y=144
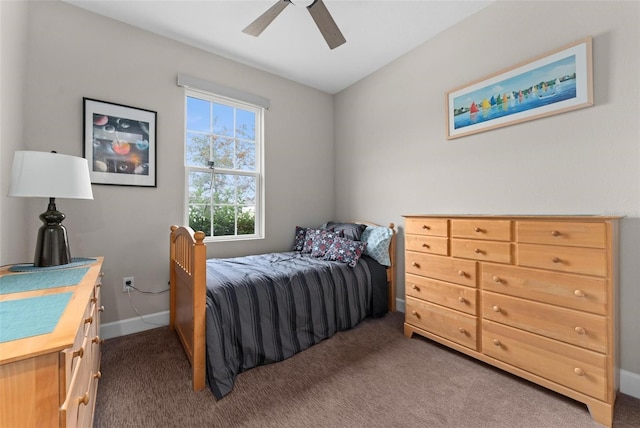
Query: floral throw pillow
x=310, y=235
x=345, y=250
x=298, y=243
x=322, y=241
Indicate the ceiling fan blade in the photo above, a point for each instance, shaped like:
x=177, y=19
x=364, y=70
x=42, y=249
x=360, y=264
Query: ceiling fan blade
x=326, y=24
x=263, y=21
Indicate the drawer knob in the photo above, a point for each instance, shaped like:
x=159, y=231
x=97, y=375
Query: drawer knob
x=497, y=342
x=415, y=314
x=496, y=279
x=580, y=330
x=578, y=371
x=415, y=287
x=84, y=399
x=495, y=308
x=461, y=299
x=478, y=230
x=424, y=226
x=425, y=245
x=462, y=330
x=101, y=274
x=98, y=375
x=88, y=320
x=415, y=264
x=555, y=260
x=96, y=340
x=579, y=293
x=94, y=299
x=555, y=233
x=78, y=353
x=101, y=309
x=461, y=273
x=478, y=251
x=98, y=285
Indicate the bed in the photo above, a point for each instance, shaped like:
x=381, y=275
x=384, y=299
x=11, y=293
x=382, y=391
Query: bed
x=234, y=314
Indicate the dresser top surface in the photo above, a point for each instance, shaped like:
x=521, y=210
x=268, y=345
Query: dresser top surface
x=557, y=217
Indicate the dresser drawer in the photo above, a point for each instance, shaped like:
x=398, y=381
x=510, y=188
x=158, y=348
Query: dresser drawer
x=76, y=403
x=499, y=252
x=452, y=325
x=441, y=293
x=427, y=244
x=578, y=292
x=444, y=268
x=578, y=328
x=573, y=234
x=571, y=366
x=496, y=230
x=589, y=261
x=426, y=226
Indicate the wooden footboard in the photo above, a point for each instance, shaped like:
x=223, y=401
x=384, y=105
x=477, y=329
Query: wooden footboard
x=188, y=255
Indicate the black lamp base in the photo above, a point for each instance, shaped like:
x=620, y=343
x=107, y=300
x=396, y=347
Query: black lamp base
x=52, y=248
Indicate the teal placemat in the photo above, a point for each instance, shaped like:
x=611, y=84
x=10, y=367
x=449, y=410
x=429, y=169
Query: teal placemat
x=40, y=280
x=31, y=317
x=30, y=267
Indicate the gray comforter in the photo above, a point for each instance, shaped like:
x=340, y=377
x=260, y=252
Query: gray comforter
x=266, y=308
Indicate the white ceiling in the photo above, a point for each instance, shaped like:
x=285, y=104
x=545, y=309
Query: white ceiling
x=377, y=32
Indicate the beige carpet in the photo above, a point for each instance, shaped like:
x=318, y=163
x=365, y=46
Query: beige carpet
x=371, y=376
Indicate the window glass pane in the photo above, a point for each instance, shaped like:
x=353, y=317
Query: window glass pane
x=224, y=220
x=223, y=122
x=246, y=186
x=198, y=115
x=245, y=124
x=225, y=189
x=200, y=202
x=223, y=152
x=198, y=149
x=200, y=218
x=246, y=220
x=246, y=156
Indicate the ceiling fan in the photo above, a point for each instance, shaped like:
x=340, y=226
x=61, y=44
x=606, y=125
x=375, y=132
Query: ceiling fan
x=318, y=11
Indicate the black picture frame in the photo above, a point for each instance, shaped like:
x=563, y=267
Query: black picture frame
x=120, y=143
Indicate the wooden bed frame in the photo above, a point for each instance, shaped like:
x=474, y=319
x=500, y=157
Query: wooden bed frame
x=188, y=256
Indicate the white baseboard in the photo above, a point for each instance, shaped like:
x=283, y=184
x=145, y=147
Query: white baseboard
x=134, y=325
x=629, y=381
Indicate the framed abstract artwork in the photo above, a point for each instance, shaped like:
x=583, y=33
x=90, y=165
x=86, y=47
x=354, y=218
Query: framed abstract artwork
x=556, y=82
x=120, y=143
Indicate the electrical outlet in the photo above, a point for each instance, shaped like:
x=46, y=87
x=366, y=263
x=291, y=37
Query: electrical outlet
x=127, y=283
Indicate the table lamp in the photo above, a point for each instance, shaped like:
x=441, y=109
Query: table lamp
x=50, y=175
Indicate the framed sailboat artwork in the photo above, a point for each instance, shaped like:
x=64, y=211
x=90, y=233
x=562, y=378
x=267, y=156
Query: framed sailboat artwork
x=555, y=82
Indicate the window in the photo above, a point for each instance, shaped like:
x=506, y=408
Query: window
x=223, y=167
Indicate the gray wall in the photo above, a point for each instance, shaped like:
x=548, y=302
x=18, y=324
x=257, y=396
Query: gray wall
x=72, y=53
x=392, y=157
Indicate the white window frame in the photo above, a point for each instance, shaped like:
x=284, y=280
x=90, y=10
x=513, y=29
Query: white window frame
x=258, y=173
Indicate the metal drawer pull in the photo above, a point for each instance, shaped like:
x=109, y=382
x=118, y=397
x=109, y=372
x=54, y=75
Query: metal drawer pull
x=425, y=245
x=496, y=279
x=88, y=320
x=415, y=314
x=415, y=264
x=78, y=353
x=84, y=399
x=555, y=260
x=579, y=293
x=495, y=308
x=497, y=342
x=101, y=309
x=94, y=299
x=478, y=251
x=462, y=330
x=555, y=233
x=477, y=229
x=415, y=287
x=578, y=371
x=96, y=340
x=98, y=375
x=580, y=330
x=424, y=226
x=461, y=299
x=461, y=273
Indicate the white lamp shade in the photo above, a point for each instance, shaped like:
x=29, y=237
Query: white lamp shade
x=50, y=175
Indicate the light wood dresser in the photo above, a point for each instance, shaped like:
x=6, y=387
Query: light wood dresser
x=532, y=295
x=51, y=380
